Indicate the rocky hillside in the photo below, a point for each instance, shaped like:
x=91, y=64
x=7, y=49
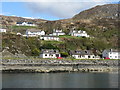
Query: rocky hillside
x=99, y=12
x=100, y=22
x=11, y=20
x=102, y=17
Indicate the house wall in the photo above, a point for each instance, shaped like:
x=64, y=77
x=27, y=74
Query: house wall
x=78, y=33
x=49, y=55
x=114, y=55
x=84, y=57
x=72, y=34
x=50, y=38
x=84, y=34
x=24, y=24
x=30, y=25
x=111, y=55
x=3, y=30
x=34, y=34
x=18, y=34
x=105, y=54
x=80, y=57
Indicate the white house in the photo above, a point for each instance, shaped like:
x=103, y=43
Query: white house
x=83, y=54
x=57, y=32
x=34, y=32
x=79, y=33
x=18, y=33
x=2, y=30
x=48, y=37
x=24, y=35
x=25, y=24
x=112, y=54
x=49, y=53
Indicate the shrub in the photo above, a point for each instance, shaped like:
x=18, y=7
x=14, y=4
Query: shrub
x=35, y=52
x=64, y=54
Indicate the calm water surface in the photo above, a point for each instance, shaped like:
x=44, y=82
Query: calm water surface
x=60, y=80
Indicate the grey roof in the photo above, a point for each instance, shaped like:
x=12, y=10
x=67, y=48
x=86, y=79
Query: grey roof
x=19, y=22
x=25, y=22
x=29, y=23
x=81, y=52
x=49, y=51
x=112, y=50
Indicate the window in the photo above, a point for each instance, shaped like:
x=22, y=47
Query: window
x=83, y=56
x=57, y=55
x=80, y=55
x=115, y=56
x=85, y=51
x=88, y=56
x=45, y=54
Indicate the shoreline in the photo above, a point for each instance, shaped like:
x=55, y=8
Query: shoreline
x=59, y=70
x=55, y=66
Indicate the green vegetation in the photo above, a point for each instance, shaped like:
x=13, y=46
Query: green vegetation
x=104, y=32
x=31, y=46
x=64, y=54
x=38, y=58
x=35, y=52
x=48, y=46
x=20, y=29
x=23, y=27
x=70, y=37
x=53, y=42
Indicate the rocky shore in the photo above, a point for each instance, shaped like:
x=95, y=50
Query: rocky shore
x=49, y=66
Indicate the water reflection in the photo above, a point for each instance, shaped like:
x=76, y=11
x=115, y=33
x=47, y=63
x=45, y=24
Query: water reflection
x=60, y=80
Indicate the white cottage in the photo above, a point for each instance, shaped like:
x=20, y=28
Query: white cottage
x=2, y=30
x=49, y=38
x=25, y=24
x=111, y=54
x=83, y=54
x=34, y=32
x=18, y=33
x=57, y=32
x=49, y=53
x=79, y=33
